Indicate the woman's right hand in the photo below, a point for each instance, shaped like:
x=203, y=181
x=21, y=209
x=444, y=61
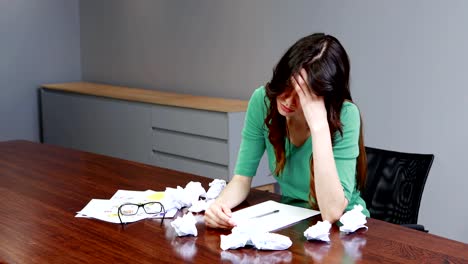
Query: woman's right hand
x=218, y=215
x=312, y=105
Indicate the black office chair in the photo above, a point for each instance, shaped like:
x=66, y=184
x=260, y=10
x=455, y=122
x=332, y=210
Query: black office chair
x=395, y=184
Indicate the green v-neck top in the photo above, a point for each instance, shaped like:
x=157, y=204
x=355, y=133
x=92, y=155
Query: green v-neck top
x=295, y=177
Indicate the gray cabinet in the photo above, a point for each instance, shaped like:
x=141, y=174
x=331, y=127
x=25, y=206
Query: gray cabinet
x=198, y=141
x=96, y=124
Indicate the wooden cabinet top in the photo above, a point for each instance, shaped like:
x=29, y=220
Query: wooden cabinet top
x=152, y=96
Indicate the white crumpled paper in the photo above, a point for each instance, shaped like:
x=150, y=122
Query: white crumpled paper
x=194, y=190
x=262, y=241
x=216, y=187
x=244, y=235
x=319, y=231
x=200, y=206
x=175, y=198
x=185, y=225
x=182, y=197
x=233, y=241
x=353, y=220
x=271, y=241
x=190, y=197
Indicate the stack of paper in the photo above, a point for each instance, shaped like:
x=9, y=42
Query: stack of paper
x=106, y=210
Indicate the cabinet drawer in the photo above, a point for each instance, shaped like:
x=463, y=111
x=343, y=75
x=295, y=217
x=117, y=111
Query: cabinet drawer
x=197, y=167
x=191, y=146
x=191, y=121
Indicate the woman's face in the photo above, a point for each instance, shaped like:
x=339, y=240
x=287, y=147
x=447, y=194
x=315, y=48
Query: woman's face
x=288, y=103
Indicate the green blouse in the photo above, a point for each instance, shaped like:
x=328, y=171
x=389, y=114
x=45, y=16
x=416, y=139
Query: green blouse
x=295, y=177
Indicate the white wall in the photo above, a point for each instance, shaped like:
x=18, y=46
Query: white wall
x=407, y=62
x=39, y=43
x=409, y=65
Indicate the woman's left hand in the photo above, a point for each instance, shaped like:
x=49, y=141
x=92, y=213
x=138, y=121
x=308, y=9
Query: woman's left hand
x=312, y=105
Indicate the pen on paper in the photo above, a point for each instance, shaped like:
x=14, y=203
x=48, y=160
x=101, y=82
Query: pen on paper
x=265, y=214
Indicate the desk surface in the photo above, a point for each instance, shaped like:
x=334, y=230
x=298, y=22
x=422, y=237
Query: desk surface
x=43, y=186
x=152, y=96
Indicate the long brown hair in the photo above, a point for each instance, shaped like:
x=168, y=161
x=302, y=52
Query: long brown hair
x=327, y=66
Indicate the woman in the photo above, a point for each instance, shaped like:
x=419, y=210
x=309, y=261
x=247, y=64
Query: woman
x=305, y=119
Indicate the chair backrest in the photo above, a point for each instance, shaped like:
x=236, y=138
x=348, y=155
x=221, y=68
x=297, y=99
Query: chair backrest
x=395, y=184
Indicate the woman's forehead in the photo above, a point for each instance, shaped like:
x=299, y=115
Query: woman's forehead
x=288, y=91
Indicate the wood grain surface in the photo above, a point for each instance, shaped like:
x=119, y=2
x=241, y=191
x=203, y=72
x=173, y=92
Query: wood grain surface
x=43, y=186
x=151, y=96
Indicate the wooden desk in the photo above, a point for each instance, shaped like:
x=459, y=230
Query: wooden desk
x=42, y=187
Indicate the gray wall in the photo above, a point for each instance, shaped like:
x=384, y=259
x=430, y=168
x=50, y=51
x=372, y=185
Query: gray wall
x=39, y=43
x=408, y=64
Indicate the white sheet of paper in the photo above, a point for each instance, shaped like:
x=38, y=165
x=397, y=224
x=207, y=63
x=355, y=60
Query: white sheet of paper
x=286, y=215
x=106, y=210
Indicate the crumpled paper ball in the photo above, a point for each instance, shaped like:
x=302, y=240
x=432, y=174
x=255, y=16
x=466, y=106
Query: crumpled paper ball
x=246, y=235
x=185, y=225
x=353, y=220
x=262, y=241
x=216, y=187
x=319, y=231
x=194, y=190
x=200, y=205
x=270, y=241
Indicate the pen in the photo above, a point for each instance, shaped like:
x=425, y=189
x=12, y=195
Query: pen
x=265, y=214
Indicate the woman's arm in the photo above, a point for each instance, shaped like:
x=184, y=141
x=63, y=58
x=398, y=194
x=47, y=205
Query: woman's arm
x=250, y=152
x=329, y=191
x=218, y=215
x=236, y=191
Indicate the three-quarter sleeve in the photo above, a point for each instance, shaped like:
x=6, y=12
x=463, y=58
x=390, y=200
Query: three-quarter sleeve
x=252, y=144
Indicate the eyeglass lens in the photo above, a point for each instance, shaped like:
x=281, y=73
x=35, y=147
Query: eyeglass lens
x=152, y=208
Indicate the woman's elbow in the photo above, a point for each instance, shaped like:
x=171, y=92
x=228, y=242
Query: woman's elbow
x=334, y=213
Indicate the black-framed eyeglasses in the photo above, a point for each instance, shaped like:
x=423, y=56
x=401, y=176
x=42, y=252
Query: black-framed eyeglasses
x=128, y=209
